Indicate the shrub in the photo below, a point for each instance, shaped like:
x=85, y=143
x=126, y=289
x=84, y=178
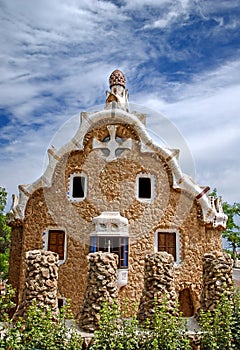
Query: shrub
x=235, y=327
x=41, y=329
x=106, y=337
x=165, y=331
x=217, y=326
x=6, y=303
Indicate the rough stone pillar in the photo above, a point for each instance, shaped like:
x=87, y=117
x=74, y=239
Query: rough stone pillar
x=217, y=278
x=41, y=280
x=158, y=284
x=101, y=287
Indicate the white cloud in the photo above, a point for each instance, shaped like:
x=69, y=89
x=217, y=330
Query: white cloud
x=57, y=56
x=206, y=112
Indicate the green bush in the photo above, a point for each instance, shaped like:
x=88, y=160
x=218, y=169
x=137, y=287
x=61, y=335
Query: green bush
x=165, y=331
x=217, y=326
x=235, y=327
x=43, y=330
x=6, y=303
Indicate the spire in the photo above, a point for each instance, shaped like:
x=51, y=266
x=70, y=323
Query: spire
x=117, y=97
x=117, y=78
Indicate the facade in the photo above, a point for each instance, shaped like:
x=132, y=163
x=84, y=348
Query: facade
x=113, y=189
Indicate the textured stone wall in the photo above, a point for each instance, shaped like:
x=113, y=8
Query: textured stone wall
x=101, y=287
x=40, y=281
x=158, y=285
x=111, y=186
x=16, y=272
x=217, y=278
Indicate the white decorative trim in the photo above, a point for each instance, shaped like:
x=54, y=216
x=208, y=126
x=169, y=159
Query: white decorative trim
x=110, y=224
x=113, y=145
x=178, y=243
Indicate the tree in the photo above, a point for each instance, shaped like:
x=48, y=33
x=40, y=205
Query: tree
x=5, y=233
x=232, y=231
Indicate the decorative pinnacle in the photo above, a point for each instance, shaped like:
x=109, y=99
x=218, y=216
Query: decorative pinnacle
x=117, y=78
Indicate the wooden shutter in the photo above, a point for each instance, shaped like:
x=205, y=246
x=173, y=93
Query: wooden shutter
x=56, y=240
x=167, y=243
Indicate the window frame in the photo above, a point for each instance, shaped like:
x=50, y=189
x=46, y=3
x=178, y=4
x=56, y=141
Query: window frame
x=177, y=243
x=45, y=237
x=152, y=184
x=96, y=247
x=70, y=190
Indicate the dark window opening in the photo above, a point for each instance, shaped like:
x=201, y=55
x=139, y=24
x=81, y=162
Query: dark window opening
x=117, y=245
x=56, y=240
x=144, y=187
x=78, y=188
x=61, y=302
x=167, y=243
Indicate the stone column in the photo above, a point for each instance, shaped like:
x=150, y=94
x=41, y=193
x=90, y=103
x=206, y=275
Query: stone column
x=41, y=281
x=101, y=287
x=158, y=284
x=217, y=278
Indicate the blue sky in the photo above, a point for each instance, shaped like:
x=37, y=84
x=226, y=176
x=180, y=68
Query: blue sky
x=181, y=59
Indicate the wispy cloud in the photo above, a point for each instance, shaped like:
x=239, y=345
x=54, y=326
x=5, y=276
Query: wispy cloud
x=180, y=58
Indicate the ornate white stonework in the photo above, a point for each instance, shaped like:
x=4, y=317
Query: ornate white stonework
x=114, y=146
x=110, y=223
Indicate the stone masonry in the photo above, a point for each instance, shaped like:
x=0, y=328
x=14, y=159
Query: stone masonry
x=41, y=281
x=101, y=287
x=176, y=204
x=158, y=283
x=217, y=278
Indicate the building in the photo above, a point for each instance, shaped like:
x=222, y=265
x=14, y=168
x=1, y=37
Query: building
x=112, y=188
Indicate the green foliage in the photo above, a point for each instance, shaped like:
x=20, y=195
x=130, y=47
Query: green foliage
x=5, y=233
x=44, y=330
x=232, y=232
x=41, y=329
x=106, y=337
x=217, y=326
x=236, y=321
x=6, y=303
x=165, y=332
